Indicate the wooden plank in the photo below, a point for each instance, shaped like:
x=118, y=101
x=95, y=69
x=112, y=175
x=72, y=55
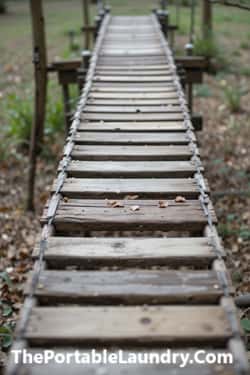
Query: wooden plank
x=122, y=126
x=137, y=90
x=135, y=68
x=131, y=138
x=130, y=287
x=150, y=110
x=144, y=86
x=93, y=252
x=133, y=73
x=134, y=369
x=133, y=95
x=132, y=60
x=117, y=187
x=131, y=52
x=131, y=169
x=132, y=79
x=89, y=116
x=114, y=101
x=162, y=153
x=77, y=216
x=136, y=46
x=130, y=324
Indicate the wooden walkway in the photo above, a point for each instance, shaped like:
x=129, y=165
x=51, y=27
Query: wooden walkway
x=129, y=255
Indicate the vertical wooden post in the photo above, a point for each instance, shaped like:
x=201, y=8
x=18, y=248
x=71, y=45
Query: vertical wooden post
x=67, y=109
x=40, y=66
x=86, y=24
x=207, y=19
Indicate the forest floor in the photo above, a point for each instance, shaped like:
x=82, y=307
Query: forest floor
x=223, y=100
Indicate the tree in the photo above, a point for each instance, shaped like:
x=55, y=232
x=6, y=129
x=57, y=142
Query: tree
x=3, y=8
x=207, y=19
x=242, y=4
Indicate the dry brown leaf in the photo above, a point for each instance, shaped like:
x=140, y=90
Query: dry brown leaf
x=135, y=208
x=115, y=204
x=131, y=197
x=163, y=204
x=180, y=199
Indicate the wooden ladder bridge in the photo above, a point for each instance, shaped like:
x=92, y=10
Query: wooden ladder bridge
x=129, y=255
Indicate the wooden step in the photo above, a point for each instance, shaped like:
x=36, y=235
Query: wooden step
x=118, y=188
x=130, y=52
x=132, y=68
x=114, y=101
x=168, y=95
x=161, y=153
x=131, y=138
x=130, y=88
x=89, y=116
x=123, y=126
x=140, y=87
x=133, y=109
x=131, y=169
x=92, y=253
x=130, y=287
x=77, y=216
x=133, y=79
x=178, y=325
x=131, y=72
x=132, y=60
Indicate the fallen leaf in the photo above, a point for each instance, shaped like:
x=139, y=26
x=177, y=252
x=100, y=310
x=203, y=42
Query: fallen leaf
x=131, y=197
x=134, y=208
x=180, y=199
x=115, y=204
x=163, y=204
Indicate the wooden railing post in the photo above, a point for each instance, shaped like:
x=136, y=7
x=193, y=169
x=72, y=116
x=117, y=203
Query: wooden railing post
x=40, y=65
x=86, y=24
x=206, y=19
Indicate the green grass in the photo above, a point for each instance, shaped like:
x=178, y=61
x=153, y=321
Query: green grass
x=233, y=96
x=202, y=91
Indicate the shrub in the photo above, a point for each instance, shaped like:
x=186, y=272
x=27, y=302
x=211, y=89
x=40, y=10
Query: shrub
x=232, y=96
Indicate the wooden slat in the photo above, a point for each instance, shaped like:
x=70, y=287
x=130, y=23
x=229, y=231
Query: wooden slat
x=114, y=101
x=123, y=252
x=130, y=72
x=89, y=116
x=133, y=95
x=132, y=79
x=131, y=86
x=116, y=187
x=149, y=110
x=86, y=152
x=131, y=52
x=123, y=126
x=135, y=68
x=131, y=138
x=77, y=216
x=139, y=89
x=132, y=60
x=139, y=325
x=129, y=287
x=130, y=169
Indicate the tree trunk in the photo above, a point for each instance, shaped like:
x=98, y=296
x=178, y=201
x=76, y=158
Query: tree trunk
x=207, y=21
x=3, y=8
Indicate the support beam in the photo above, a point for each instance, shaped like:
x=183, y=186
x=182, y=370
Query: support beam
x=40, y=65
x=207, y=24
x=86, y=24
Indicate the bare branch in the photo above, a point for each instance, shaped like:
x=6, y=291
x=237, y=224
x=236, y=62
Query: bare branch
x=232, y=3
